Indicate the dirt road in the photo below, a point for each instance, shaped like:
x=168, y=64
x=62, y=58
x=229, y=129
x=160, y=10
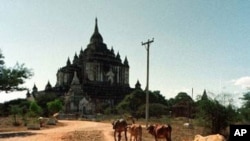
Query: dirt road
x=89, y=131
x=69, y=130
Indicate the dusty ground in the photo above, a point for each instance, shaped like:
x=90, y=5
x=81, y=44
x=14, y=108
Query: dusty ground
x=75, y=130
x=71, y=130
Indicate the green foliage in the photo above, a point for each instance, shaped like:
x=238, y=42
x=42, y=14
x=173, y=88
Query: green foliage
x=131, y=103
x=171, y=102
x=5, y=108
x=1, y=59
x=157, y=97
x=181, y=98
x=155, y=110
x=214, y=115
x=246, y=99
x=54, y=106
x=43, y=99
x=182, y=105
x=245, y=114
x=245, y=109
x=12, y=78
x=108, y=111
x=233, y=114
x=15, y=110
x=34, y=110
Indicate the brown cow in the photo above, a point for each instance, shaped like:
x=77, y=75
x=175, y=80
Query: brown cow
x=216, y=137
x=160, y=131
x=135, y=132
x=119, y=126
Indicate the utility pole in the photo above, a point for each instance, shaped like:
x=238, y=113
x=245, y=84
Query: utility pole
x=147, y=46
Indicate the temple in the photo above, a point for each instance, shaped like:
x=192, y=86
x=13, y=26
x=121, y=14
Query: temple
x=95, y=77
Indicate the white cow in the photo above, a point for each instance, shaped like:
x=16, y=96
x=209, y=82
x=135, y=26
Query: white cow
x=216, y=137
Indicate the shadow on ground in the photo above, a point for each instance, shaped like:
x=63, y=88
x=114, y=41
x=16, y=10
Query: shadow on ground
x=15, y=134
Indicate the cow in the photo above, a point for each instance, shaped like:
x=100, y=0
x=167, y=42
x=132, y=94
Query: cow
x=120, y=125
x=215, y=137
x=160, y=131
x=135, y=132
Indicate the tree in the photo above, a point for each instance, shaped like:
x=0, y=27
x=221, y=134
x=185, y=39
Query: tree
x=12, y=78
x=213, y=115
x=155, y=110
x=15, y=110
x=42, y=101
x=245, y=109
x=34, y=109
x=1, y=59
x=5, y=108
x=183, y=96
x=132, y=102
x=54, y=106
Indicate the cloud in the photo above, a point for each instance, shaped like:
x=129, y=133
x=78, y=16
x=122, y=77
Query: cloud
x=244, y=82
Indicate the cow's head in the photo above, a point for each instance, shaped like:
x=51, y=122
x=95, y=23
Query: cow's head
x=169, y=127
x=151, y=129
x=114, y=124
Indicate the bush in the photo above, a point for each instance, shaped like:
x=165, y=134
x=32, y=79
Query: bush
x=155, y=110
x=54, y=106
x=34, y=109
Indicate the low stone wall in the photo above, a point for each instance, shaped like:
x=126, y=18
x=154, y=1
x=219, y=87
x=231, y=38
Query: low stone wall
x=33, y=127
x=68, y=116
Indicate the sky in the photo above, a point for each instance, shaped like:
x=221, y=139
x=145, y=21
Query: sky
x=197, y=44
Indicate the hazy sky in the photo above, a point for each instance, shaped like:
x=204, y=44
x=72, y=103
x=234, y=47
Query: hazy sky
x=197, y=44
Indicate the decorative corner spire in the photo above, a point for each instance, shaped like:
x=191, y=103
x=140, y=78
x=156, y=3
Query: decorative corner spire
x=138, y=85
x=75, y=59
x=112, y=50
x=48, y=86
x=126, y=61
x=34, y=87
x=68, y=62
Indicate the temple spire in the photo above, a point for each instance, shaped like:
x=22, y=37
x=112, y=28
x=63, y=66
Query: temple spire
x=96, y=37
x=96, y=26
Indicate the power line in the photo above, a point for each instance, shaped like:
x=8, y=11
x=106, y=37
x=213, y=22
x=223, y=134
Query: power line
x=147, y=46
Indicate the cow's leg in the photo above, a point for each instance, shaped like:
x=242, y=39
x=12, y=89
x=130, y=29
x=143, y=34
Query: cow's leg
x=125, y=132
x=119, y=136
x=156, y=138
x=139, y=134
x=115, y=135
x=168, y=138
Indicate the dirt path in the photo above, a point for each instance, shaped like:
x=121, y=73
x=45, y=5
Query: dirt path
x=89, y=129
x=69, y=130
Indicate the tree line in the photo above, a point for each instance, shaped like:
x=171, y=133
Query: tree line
x=208, y=111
